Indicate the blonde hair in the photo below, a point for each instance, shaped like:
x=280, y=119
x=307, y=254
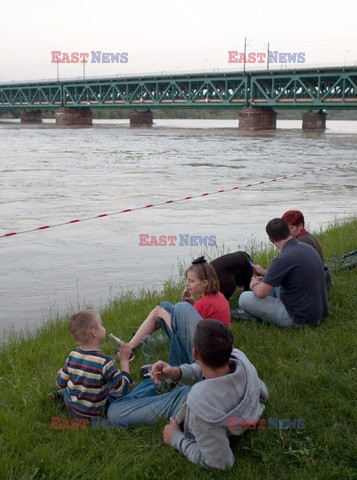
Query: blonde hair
x=81, y=324
x=205, y=271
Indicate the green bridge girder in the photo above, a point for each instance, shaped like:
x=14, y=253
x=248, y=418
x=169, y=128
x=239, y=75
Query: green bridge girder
x=314, y=89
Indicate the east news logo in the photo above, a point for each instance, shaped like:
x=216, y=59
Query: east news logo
x=95, y=57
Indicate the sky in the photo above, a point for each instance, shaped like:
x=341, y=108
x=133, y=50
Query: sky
x=163, y=37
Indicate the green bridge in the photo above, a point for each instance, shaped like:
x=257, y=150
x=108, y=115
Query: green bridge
x=309, y=89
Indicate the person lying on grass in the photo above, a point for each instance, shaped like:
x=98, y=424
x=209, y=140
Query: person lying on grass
x=227, y=396
x=89, y=379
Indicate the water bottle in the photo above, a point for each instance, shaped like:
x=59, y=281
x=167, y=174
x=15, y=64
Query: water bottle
x=119, y=343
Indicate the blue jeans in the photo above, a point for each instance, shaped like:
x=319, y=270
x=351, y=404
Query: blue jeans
x=269, y=308
x=275, y=292
x=143, y=406
x=184, y=318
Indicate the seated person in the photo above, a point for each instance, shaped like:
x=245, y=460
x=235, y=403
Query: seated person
x=299, y=272
x=227, y=396
x=89, y=377
x=295, y=220
x=179, y=321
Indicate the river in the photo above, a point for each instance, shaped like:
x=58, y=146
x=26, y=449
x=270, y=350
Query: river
x=50, y=174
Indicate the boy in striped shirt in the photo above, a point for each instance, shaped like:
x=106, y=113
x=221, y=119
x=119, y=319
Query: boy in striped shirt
x=89, y=377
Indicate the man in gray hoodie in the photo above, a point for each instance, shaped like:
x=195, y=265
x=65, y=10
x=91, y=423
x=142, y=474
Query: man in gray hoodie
x=227, y=396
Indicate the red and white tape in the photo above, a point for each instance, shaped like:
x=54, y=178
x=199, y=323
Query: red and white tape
x=167, y=202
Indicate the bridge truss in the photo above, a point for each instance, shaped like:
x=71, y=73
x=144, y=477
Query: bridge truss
x=318, y=89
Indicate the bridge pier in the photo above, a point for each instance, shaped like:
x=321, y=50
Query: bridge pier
x=257, y=118
x=31, y=116
x=314, y=120
x=141, y=118
x=74, y=116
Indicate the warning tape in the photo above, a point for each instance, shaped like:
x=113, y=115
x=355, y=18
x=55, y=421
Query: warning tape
x=167, y=202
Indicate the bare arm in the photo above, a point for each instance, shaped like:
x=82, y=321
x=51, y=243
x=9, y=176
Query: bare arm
x=259, y=288
x=259, y=270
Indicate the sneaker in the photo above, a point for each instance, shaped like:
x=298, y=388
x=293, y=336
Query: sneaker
x=240, y=314
x=145, y=371
x=57, y=395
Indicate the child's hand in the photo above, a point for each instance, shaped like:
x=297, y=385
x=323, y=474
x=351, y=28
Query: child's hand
x=124, y=352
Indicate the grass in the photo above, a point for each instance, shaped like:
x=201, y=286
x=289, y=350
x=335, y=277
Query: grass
x=311, y=375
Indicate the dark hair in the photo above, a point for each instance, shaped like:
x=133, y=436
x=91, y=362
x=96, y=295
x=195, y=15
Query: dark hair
x=277, y=229
x=205, y=271
x=294, y=217
x=81, y=324
x=213, y=341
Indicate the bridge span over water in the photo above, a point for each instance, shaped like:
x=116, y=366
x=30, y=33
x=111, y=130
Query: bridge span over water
x=262, y=92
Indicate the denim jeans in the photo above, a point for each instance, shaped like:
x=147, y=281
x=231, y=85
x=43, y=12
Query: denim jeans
x=143, y=406
x=184, y=318
x=275, y=292
x=270, y=309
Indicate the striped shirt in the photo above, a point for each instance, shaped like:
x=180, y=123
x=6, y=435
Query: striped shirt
x=87, y=377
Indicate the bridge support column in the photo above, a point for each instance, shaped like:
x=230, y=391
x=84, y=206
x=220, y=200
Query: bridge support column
x=141, y=118
x=257, y=118
x=74, y=116
x=31, y=116
x=314, y=120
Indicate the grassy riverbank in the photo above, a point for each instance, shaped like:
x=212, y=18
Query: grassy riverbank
x=311, y=375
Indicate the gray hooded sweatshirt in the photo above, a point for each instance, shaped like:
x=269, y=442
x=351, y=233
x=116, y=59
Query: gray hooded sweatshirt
x=210, y=407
